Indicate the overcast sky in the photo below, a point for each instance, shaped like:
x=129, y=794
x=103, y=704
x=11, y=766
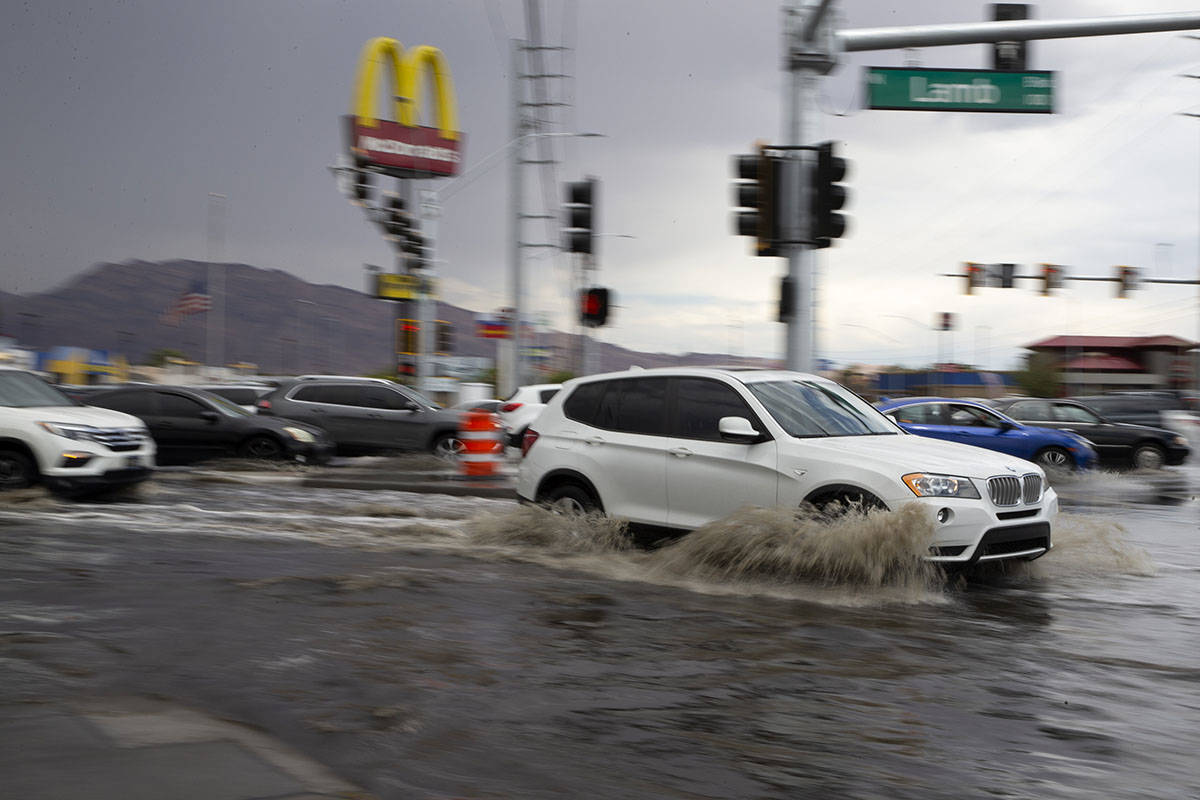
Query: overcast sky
x=121, y=117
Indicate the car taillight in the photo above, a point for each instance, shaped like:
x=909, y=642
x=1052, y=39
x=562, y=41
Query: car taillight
x=531, y=436
x=507, y=407
x=264, y=404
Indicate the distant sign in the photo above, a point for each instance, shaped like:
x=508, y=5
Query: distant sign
x=390, y=286
x=902, y=89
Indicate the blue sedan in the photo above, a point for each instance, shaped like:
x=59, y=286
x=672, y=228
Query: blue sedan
x=976, y=424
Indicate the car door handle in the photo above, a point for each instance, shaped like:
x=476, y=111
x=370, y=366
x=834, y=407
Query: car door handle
x=681, y=452
x=592, y=440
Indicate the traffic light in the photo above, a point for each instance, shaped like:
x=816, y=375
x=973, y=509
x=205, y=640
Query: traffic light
x=579, y=234
x=406, y=369
x=1052, y=278
x=1127, y=280
x=415, y=246
x=756, y=194
x=362, y=186
x=827, y=196
x=975, y=274
x=1004, y=275
x=406, y=336
x=396, y=221
x=944, y=321
x=445, y=338
x=593, y=307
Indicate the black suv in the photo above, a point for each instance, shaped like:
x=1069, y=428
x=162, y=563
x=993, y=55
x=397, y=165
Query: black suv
x=367, y=414
x=1117, y=443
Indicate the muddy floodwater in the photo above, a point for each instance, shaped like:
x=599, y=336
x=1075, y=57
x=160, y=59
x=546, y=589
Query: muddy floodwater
x=427, y=646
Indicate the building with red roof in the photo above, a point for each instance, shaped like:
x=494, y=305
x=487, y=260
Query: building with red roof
x=1097, y=364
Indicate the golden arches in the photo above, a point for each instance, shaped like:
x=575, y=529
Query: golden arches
x=407, y=70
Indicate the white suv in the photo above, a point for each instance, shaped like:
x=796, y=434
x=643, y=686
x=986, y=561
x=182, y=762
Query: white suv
x=522, y=407
x=46, y=436
x=681, y=447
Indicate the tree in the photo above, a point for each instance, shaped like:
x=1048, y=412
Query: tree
x=1041, y=376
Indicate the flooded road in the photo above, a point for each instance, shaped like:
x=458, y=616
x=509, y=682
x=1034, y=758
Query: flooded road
x=428, y=646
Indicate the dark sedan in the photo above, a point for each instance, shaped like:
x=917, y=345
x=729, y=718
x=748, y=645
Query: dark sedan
x=190, y=425
x=1117, y=443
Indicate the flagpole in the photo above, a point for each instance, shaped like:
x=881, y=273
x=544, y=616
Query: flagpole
x=215, y=330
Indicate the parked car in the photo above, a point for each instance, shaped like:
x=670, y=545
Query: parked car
x=678, y=448
x=490, y=406
x=1116, y=443
x=966, y=422
x=191, y=425
x=47, y=437
x=522, y=407
x=243, y=394
x=367, y=414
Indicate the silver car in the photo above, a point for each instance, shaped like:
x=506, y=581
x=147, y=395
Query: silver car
x=367, y=414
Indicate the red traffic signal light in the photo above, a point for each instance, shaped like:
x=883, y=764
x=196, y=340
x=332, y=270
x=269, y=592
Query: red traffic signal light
x=976, y=275
x=593, y=307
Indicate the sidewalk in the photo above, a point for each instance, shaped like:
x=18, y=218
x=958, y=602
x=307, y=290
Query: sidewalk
x=137, y=749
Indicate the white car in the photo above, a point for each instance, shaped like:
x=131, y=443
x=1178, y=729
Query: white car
x=522, y=407
x=47, y=437
x=682, y=447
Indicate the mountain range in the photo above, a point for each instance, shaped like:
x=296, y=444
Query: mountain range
x=272, y=319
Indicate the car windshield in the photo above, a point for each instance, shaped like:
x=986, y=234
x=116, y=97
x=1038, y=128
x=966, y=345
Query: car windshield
x=226, y=407
x=22, y=390
x=809, y=408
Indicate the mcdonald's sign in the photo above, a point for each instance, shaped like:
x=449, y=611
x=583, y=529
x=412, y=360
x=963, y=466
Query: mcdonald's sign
x=401, y=147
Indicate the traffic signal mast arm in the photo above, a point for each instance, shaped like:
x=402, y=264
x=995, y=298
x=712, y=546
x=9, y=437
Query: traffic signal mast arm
x=1052, y=276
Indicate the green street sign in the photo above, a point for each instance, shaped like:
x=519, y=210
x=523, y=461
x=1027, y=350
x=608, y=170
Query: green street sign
x=901, y=89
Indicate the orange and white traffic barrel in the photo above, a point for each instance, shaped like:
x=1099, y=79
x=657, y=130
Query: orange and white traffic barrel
x=483, y=447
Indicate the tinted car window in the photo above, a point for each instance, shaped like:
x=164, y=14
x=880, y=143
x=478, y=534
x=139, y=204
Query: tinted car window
x=583, y=403
x=243, y=397
x=335, y=395
x=140, y=404
x=807, y=408
x=637, y=405
x=383, y=397
x=1032, y=410
x=176, y=405
x=1065, y=412
x=546, y=394
x=701, y=403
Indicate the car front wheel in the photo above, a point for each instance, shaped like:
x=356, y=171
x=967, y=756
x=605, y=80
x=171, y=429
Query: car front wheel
x=1053, y=458
x=447, y=447
x=263, y=447
x=16, y=470
x=1148, y=456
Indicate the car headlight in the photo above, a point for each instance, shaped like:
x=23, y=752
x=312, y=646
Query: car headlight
x=923, y=484
x=299, y=434
x=1179, y=441
x=69, y=430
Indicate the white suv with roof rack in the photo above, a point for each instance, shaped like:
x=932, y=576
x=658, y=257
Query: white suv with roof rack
x=678, y=448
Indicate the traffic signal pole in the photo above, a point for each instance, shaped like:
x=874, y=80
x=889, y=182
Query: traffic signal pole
x=806, y=57
x=810, y=50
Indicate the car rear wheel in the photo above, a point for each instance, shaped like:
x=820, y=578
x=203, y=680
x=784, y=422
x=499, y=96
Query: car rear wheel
x=1053, y=458
x=1148, y=456
x=16, y=470
x=569, y=498
x=263, y=447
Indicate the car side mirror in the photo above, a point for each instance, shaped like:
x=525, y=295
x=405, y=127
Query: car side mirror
x=738, y=430
x=209, y=416
x=409, y=405
x=1006, y=426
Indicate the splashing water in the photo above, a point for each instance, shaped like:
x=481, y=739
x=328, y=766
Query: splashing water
x=873, y=550
x=557, y=532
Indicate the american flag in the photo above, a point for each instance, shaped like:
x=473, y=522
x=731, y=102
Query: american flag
x=195, y=300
